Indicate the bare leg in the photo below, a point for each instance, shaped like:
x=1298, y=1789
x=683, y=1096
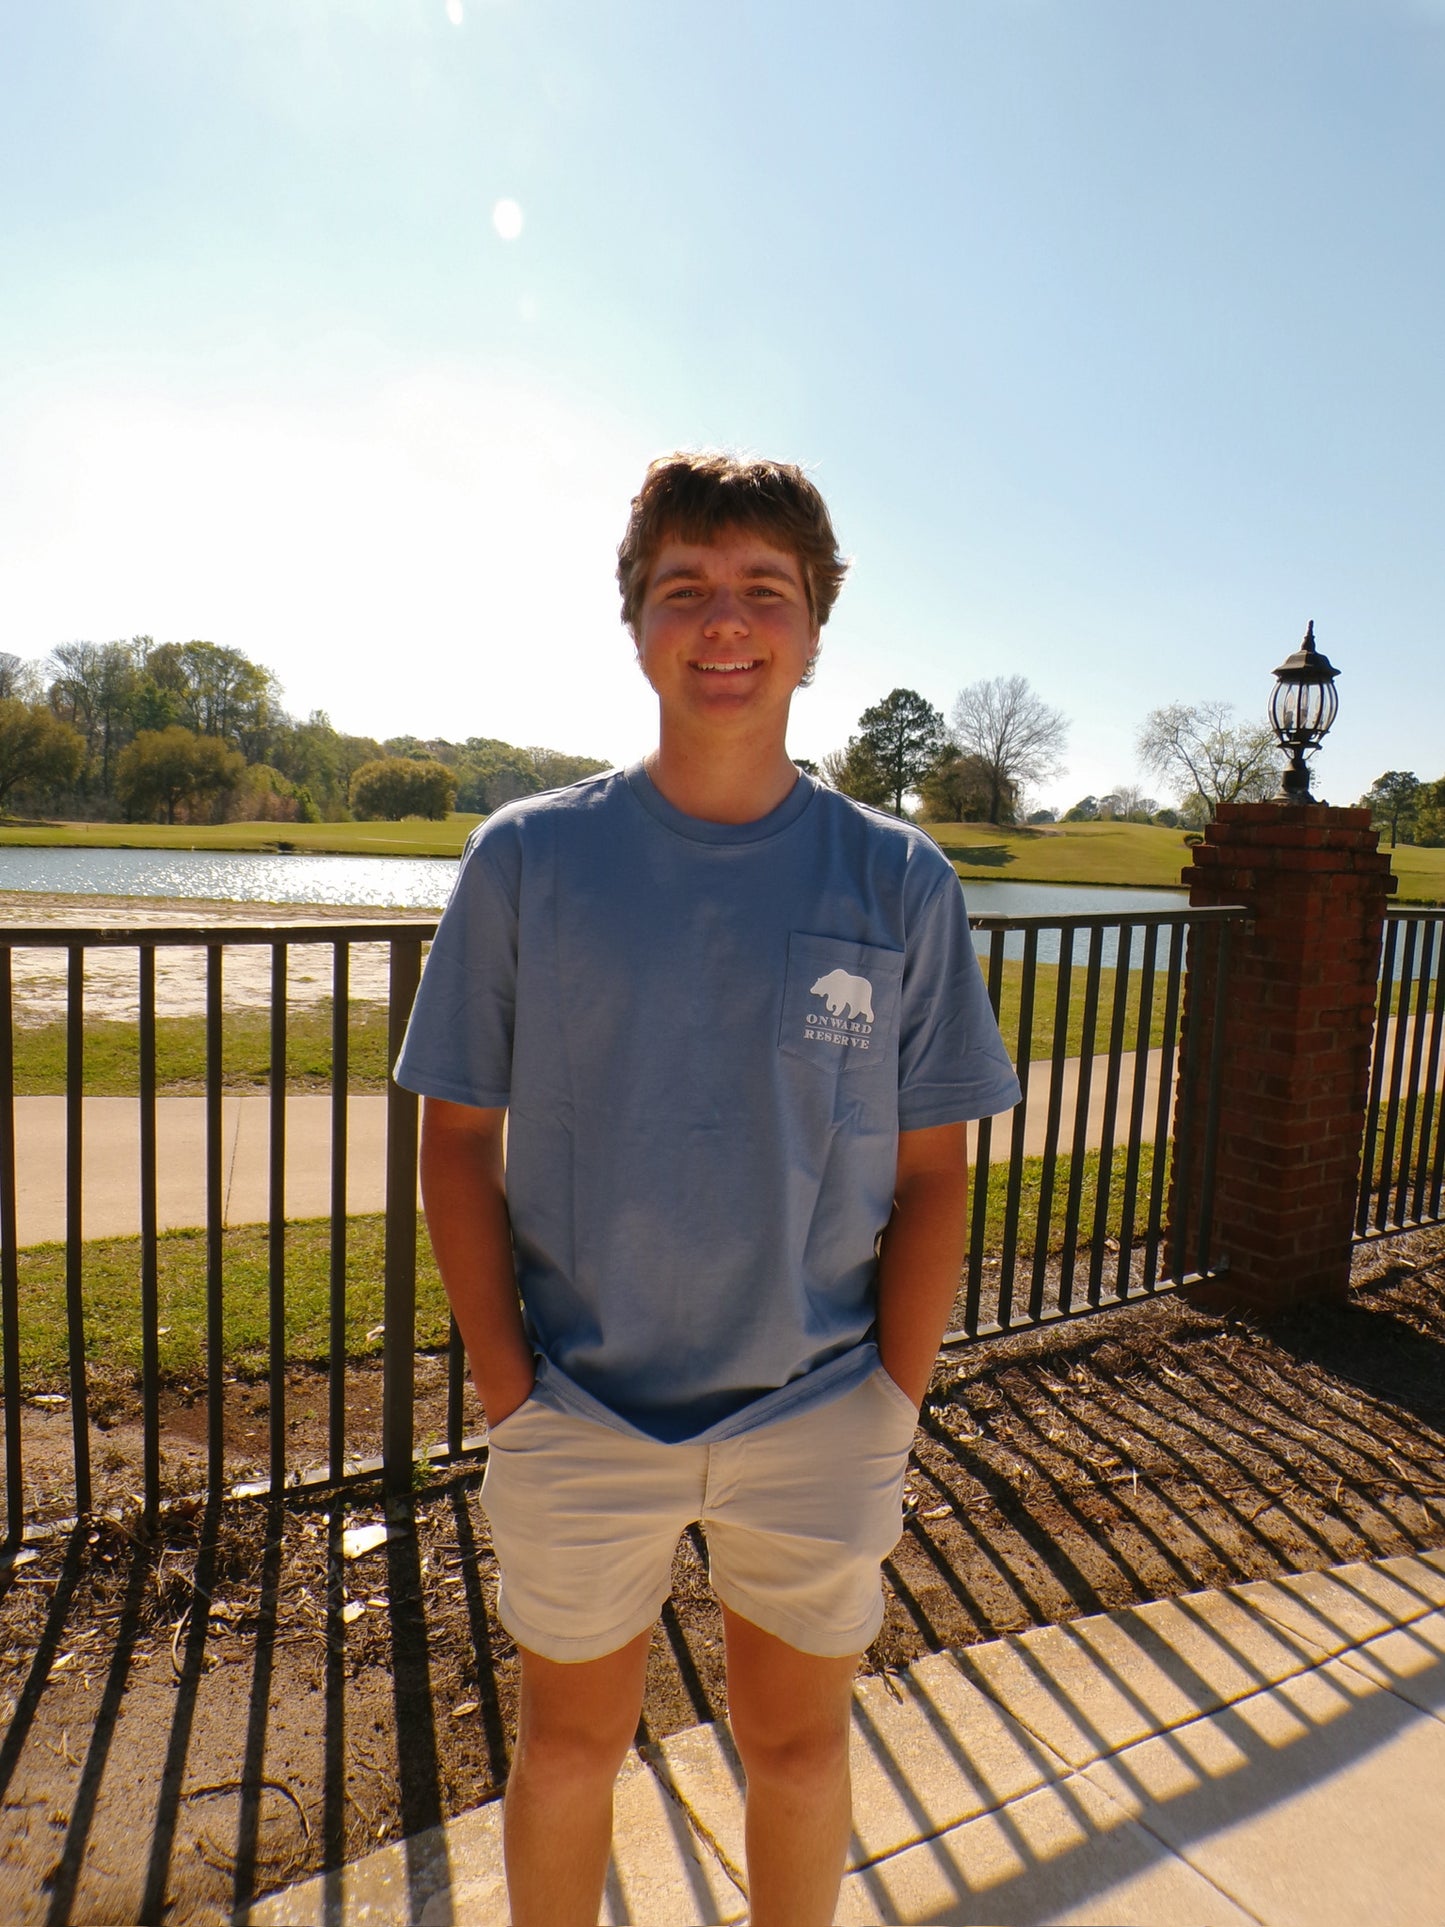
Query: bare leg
x=789, y=1715
x=573, y=1729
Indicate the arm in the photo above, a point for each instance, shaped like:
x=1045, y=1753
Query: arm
x=922, y=1252
x=465, y=1195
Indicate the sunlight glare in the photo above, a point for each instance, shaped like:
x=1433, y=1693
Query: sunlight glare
x=454, y=12
x=507, y=219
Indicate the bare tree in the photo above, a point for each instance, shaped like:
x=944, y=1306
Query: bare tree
x=1207, y=755
x=93, y=688
x=1128, y=801
x=19, y=680
x=1012, y=731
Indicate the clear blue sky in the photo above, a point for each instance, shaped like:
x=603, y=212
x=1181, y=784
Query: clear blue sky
x=1112, y=331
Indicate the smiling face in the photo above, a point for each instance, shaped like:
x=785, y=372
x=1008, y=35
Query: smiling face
x=725, y=633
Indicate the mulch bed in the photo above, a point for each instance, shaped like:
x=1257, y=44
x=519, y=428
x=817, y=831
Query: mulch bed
x=193, y=1718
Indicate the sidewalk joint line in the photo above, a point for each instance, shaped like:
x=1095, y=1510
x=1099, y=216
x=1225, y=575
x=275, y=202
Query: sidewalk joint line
x=703, y=1833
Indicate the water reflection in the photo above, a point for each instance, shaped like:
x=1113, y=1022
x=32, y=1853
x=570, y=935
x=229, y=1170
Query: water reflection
x=423, y=883
x=391, y=882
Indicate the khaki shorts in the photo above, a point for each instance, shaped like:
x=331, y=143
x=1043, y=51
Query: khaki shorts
x=798, y=1517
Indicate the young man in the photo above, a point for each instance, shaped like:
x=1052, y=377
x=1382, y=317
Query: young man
x=735, y=1026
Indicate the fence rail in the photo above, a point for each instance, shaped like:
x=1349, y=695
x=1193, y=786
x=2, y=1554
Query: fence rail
x=1402, y=1178
x=1069, y=1201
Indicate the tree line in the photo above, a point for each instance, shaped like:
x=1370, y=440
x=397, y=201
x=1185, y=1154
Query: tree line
x=196, y=732
x=1002, y=739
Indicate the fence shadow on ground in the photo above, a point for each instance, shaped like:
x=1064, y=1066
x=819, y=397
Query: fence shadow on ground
x=200, y=1716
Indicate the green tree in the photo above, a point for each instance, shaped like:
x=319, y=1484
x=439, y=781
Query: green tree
x=217, y=691
x=1014, y=734
x=37, y=750
x=263, y=794
x=437, y=750
x=1429, y=817
x=491, y=773
x=556, y=768
x=1391, y=799
x=855, y=772
x=175, y=768
x=957, y=789
x=396, y=786
x=1209, y=757
x=904, y=737
x=320, y=760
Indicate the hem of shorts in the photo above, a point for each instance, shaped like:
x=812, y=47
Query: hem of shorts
x=575, y=1651
x=803, y=1638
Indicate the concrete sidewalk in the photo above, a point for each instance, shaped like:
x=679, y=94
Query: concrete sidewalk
x=110, y=1152
x=1271, y=1754
x=110, y=1162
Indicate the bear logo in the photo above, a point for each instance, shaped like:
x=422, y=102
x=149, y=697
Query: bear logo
x=846, y=995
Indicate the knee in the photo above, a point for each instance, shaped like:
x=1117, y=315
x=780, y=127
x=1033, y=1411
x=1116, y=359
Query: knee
x=784, y=1755
x=561, y=1752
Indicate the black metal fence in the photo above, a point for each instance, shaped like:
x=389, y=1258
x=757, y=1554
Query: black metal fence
x=1071, y=1190
x=1070, y=1200
x=1402, y=1179
x=403, y=941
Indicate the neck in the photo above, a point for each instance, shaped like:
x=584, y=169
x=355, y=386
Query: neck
x=728, y=783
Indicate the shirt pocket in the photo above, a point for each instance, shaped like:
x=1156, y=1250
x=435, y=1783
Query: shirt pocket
x=840, y=1005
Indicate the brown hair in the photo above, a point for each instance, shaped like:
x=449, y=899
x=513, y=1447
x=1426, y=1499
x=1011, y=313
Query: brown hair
x=695, y=496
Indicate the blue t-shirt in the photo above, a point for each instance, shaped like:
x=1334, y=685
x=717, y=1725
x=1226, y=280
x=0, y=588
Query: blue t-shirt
x=707, y=1037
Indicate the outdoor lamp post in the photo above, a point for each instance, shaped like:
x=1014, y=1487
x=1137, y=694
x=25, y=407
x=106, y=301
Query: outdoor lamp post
x=1301, y=710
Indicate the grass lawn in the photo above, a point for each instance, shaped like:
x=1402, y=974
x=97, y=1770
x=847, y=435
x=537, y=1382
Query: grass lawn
x=112, y=1053
x=413, y=837
x=1136, y=854
x=1133, y=854
x=112, y=1049
x=112, y=1302
x=112, y=1286
x=1420, y=874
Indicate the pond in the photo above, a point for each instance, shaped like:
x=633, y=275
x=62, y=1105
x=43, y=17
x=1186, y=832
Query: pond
x=377, y=882
x=423, y=883
x=417, y=883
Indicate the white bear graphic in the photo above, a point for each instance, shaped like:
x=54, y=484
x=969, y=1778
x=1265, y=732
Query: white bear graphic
x=851, y=996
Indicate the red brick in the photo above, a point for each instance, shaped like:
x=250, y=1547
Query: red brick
x=1297, y=1024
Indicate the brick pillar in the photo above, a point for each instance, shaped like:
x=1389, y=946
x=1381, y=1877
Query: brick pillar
x=1298, y=1022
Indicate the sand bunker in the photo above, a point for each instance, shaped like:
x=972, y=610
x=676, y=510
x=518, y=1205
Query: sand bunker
x=111, y=975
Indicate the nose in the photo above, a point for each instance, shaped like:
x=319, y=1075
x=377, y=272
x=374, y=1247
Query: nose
x=727, y=613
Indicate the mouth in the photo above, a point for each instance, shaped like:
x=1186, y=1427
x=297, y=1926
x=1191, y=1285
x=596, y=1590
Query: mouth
x=726, y=668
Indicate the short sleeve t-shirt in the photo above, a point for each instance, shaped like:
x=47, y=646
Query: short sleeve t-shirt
x=707, y=1037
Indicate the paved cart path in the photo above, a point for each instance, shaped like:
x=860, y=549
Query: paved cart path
x=1271, y=1755
x=110, y=1153
x=110, y=1162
